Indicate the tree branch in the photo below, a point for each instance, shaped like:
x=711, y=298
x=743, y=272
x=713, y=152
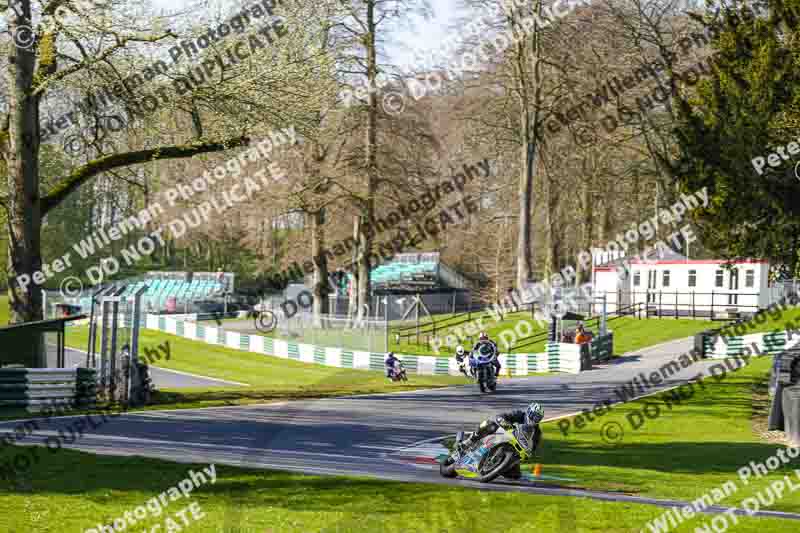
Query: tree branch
x=82, y=174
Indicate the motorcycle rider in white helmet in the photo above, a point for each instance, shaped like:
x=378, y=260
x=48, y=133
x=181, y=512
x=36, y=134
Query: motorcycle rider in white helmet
x=461, y=356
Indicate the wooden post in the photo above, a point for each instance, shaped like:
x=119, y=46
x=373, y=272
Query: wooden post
x=417, y=312
x=676, y=304
x=693, y=309
x=712, y=304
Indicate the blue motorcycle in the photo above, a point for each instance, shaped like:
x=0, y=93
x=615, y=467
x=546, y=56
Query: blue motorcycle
x=482, y=364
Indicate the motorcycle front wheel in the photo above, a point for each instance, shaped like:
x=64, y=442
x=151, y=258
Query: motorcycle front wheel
x=496, y=462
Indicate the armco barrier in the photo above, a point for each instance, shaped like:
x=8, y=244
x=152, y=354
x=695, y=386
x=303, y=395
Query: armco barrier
x=35, y=388
x=557, y=359
x=770, y=343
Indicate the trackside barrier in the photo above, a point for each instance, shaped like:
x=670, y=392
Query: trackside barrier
x=36, y=388
x=575, y=358
x=770, y=343
x=558, y=358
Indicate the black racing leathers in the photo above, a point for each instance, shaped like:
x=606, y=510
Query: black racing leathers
x=487, y=427
x=496, y=362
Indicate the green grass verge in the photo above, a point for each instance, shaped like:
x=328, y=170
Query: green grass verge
x=772, y=321
x=3, y=310
x=630, y=334
x=683, y=453
x=75, y=491
x=270, y=378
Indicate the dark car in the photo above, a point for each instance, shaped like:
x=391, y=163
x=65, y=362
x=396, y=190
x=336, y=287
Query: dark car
x=209, y=306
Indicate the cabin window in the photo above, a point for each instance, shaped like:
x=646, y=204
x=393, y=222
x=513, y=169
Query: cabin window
x=665, y=279
x=720, y=279
x=693, y=278
x=750, y=278
x=637, y=278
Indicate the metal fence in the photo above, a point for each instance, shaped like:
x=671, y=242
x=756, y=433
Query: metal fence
x=369, y=335
x=712, y=305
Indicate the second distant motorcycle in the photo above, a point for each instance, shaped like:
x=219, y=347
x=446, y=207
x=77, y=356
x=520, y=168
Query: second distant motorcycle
x=398, y=372
x=482, y=361
x=462, y=360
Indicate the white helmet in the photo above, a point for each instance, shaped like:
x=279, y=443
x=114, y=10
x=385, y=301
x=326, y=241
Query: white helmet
x=459, y=350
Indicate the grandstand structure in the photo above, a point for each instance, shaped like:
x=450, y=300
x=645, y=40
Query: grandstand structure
x=173, y=292
x=420, y=279
x=415, y=272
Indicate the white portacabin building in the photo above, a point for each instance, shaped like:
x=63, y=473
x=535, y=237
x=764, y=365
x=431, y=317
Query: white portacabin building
x=689, y=287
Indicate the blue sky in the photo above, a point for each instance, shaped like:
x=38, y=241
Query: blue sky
x=424, y=34
x=418, y=33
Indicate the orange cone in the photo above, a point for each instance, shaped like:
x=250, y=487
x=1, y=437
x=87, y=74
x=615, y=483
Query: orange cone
x=537, y=470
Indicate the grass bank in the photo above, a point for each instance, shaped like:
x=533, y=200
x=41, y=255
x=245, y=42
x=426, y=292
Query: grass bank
x=270, y=378
x=630, y=334
x=766, y=321
x=683, y=452
x=3, y=310
x=75, y=491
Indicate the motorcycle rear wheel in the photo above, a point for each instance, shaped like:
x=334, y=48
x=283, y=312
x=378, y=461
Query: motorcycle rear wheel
x=505, y=462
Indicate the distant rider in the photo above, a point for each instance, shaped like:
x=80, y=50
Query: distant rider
x=529, y=417
x=483, y=339
x=390, y=362
x=461, y=356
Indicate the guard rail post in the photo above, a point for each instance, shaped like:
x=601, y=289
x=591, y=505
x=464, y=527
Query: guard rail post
x=785, y=390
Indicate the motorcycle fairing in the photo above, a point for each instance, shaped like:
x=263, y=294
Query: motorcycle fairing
x=467, y=466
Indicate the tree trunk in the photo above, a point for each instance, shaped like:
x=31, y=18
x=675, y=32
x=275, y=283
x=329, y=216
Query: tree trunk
x=22, y=161
x=587, y=209
x=321, y=282
x=364, y=264
x=529, y=115
x=550, y=239
x=352, y=302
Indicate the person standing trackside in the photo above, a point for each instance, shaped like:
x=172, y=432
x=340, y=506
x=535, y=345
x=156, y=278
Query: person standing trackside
x=581, y=336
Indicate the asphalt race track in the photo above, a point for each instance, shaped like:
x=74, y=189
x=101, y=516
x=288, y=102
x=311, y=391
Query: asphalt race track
x=374, y=435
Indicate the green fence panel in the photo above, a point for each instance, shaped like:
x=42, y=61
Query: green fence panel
x=294, y=350
x=319, y=355
x=774, y=342
x=347, y=359
x=553, y=358
x=411, y=362
x=376, y=361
